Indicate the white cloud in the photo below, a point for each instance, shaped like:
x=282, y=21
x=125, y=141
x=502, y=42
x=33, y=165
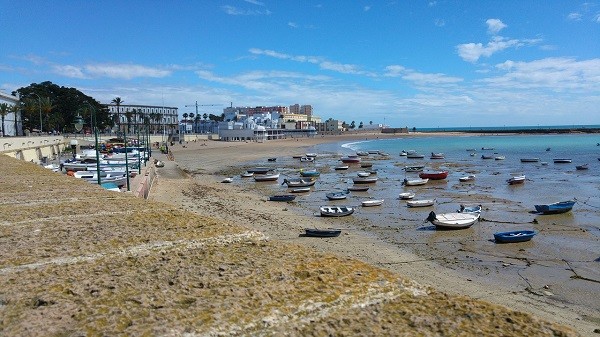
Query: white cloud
x=254, y=2
x=597, y=18
x=69, y=71
x=366, y=8
x=419, y=78
x=471, y=52
x=292, y=24
x=495, y=26
x=574, y=16
x=439, y=22
x=231, y=10
x=124, y=71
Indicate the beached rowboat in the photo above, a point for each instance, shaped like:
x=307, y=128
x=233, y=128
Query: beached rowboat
x=406, y=195
x=369, y=203
x=453, y=220
x=336, y=211
x=514, y=236
x=556, y=208
x=322, y=233
x=420, y=203
x=414, y=182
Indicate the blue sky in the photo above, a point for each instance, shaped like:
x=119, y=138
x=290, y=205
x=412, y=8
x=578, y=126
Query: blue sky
x=402, y=63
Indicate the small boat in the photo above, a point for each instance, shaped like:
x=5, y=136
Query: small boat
x=403, y=153
x=374, y=151
x=311, y=155
x=544, y=163
x=530, y=160
x=336, y=211
x=369, y=203
x=300, y=190
x=499, y=157
x=433, y=175
x=437, y=156
x=487, y=156
x=415, y=156
x=341, y=167
x=516, y=180
x=282, y=197
x=111, y=187
x=336, y=195
x=562, y=160
x=299, y=182
x=307, y=159
x=364, y=180
x=472, y=154
x=514, y=236
x=414, y=182
x=227, y=180
x=356, y=188
x=487, y=148
x=406, y=195
x=322, y=233
x=297, y=156
x=366, y=164
x=418, y=168
x=271, y=159
x=556, y=208
x=247, y=174
x=453, y=220
x=350, y=160
x=309, y=173
x=547, y=149
x=420, y=203
x=467, y=178
x=266, y=177
x=362, y=153
x=363, y=174
x=582, y=167
x=469, y=209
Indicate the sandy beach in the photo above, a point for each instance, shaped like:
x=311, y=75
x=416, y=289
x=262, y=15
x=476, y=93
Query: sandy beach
x=193, y=181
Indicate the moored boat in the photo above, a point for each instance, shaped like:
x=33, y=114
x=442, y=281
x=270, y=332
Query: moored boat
x=487, y=156
x=466, y=178
x=358, y=188
x=247, y=174
x=416, y=168
x=514, y=236
x=300, y=190
x=350, y=160
x=365, y=180
x=516, y=180
x=336, y=211
x=336, y=195
x=266, y=177
x=530, y=160
x=470, y=209
x=406, y=195
x=433, y=175
x=582, y=167
x=437, y=155
x=562, y=160
x=282, y=197
x=307, y=159
x=322, y=233
x=420, y=203
x=341, y=167
x=556, y=208
x=414, y=182
x=369, y=203
x=227, y=180
x=363, y=174
x=310, y=173
x=299, y=182
x=500, y=157
x=453, y=220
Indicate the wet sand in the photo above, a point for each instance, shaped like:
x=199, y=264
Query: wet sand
x=521, y=277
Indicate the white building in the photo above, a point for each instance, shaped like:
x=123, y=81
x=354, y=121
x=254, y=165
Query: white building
x=162, y=119
x=12, y=121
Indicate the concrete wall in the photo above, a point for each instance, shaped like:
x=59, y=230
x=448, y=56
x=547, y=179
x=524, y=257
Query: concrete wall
x=33, y=149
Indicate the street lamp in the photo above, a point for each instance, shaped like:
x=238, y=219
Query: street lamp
x=78, y=124
x=40, y=106
x=95, y=128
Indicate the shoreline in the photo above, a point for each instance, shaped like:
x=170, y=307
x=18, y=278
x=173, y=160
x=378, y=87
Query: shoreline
x=206, y=165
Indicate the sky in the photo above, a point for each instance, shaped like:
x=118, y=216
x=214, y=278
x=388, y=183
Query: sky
x=398, y=62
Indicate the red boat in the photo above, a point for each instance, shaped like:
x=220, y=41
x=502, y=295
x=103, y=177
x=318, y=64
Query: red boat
x=433, y=175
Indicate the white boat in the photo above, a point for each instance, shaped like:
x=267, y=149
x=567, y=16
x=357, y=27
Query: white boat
x=266, y=177
x=336, y=211
x=301, y=182
x=247, y=174
x=311, y=155
x=467, y=178
x=336, y=195
x=403, y=153
x=415, y=156
x=300, y=190
x=415, y=182
x=453, y=220
x=363, y=174
x=499, y=157
x=307, y=159
x=418, y=168
x=516, y=180
x=406, y=195
x=437, y=155
x=341, y=167
x=227, y=180
x=469, y=209
x=562, y=160
x=420, y=203
x=369, y=203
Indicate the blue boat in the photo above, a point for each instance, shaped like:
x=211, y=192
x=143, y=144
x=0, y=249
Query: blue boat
x=555, y=208
x=310, y=173
x=514, y=236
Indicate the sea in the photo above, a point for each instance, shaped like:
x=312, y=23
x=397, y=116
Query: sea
x=563, y=255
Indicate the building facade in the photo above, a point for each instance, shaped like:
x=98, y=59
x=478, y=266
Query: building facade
x=161, y=119
x=13, y=125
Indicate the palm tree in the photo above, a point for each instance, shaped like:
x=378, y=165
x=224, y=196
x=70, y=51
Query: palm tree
x=129, y=116
x=15, y=109
x=118, y=101
x=185, y=116
x=31, y=108
x=4, y=110
x=46, y=106
x=157, y=118
x=191, y=116
x=205, y=116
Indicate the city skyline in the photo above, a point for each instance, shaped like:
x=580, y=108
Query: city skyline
x=415, y=64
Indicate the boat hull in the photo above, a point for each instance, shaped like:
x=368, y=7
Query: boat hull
x=453, y=220
x=514, y=236
x=555, y=208
x=322, y=233
x=434, y=175
x=336, y=211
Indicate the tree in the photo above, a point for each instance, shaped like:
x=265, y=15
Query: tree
x=191, y=116
x=370, y=122
x=46, y=106
x=352, y=125
x=157, y=119
x=196, y=121
x=15, y=109
x=65, y=105
x=129, y=117
x=118, y=101
x=4, y=110
x=185, y=116
x=205, y=116
x=360, y=126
